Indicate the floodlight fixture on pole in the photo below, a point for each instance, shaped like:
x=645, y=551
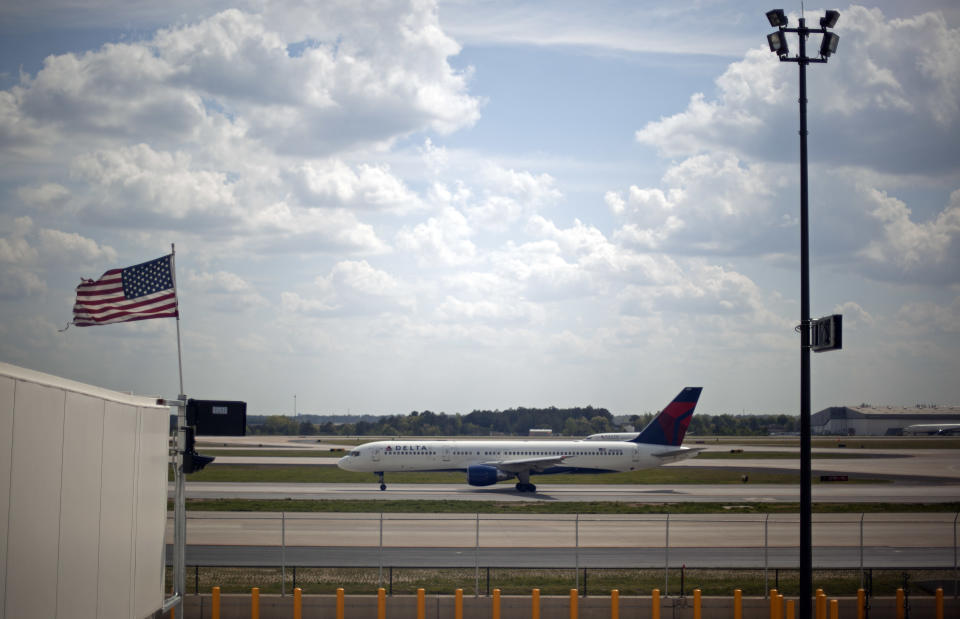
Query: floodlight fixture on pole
x=828, y=46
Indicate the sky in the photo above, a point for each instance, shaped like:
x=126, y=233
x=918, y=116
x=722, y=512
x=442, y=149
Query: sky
x=387, y=206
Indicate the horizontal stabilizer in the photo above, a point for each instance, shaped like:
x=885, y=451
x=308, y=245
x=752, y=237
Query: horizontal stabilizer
x=677, y=455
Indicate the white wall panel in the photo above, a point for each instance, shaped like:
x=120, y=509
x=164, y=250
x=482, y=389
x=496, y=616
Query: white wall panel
x=7, y=388
x=80, y=506
x=33, y=529
x=116, y=509
x=151, y=510
x=82, y=499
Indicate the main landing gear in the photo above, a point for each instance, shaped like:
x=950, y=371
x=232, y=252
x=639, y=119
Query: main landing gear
x=524, y=485
x=383, y=486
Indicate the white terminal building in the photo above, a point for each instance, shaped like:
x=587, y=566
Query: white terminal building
x=867, y=420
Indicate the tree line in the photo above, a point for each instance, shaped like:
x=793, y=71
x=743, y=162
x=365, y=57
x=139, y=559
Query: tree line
x=579, y=421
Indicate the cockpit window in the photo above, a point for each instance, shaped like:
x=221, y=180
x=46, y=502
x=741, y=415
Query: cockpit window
x=355, y=453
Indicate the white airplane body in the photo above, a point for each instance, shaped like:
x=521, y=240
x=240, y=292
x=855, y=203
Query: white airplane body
x=487, y=462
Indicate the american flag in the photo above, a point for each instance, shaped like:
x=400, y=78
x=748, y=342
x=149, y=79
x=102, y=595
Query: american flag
x=140, y=292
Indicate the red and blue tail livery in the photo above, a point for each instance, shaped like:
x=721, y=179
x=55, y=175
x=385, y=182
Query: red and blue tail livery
x=669, y=427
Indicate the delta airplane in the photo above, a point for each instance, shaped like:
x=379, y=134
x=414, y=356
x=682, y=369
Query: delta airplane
x=487, y=462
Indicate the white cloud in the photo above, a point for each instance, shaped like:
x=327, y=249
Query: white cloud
x=225, y=291
x=928, y=251
x=352, y=288
x=443, y=239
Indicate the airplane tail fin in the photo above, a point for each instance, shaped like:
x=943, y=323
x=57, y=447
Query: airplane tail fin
x=671, y=424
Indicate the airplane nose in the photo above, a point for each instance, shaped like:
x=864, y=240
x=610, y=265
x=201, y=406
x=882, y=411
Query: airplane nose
x=342, y=463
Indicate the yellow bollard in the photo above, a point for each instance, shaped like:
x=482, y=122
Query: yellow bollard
x=495, y=614
x=421, y=604
x=779, y=606
x=255, y=603
x=834, y=609
x=339, y=602
x=861, y=604
x=821, y=611
x=697, y=612
x=573, y=604
x=655, y=604
x=773, y=604
x=458, y=604
x=297, y=603
x=215, y=603
x=381, y=603
x=900, y=610
x=790, y=613
x=939, y=604
x=615, y=604
x=535, y=604
x=737, y=604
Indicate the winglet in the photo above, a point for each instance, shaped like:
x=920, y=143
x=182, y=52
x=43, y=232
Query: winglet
x=669, y=427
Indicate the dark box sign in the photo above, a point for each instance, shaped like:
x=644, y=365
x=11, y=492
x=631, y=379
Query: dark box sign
x=217, y=417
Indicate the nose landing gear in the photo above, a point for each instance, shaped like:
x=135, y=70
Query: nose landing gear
x=383, y=486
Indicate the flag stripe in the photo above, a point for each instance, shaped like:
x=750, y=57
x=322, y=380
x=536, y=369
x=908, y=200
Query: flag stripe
x=139, y=292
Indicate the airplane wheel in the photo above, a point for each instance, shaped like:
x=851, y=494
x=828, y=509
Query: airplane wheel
x=531, y=488
x=383, y=486
x=519, y=487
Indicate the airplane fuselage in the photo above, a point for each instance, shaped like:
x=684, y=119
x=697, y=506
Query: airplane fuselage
x=459, y=455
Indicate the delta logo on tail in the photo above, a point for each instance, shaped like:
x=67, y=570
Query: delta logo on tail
x=669, y=427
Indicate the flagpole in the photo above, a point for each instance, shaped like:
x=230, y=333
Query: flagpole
x=179, y=503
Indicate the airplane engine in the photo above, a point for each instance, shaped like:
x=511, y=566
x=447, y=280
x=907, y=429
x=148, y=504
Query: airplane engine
x=485, y=475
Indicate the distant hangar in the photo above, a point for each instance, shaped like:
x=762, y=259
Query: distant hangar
x=866, y=420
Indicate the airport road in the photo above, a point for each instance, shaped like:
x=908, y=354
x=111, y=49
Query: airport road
x=440, y=540
x=838, y=492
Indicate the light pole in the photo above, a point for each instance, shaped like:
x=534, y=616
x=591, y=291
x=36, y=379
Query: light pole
x=778, y=45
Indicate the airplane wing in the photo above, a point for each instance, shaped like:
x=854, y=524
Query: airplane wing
x=536, y=465
x=677, y=455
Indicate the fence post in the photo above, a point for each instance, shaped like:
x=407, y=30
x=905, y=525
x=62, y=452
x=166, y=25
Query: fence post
x=614, y=604
x=666, y=560
x=766, y=553
x=861, y=551
x=380, y=553
x=215, y=603
x=576, y=552
x=476, y=554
